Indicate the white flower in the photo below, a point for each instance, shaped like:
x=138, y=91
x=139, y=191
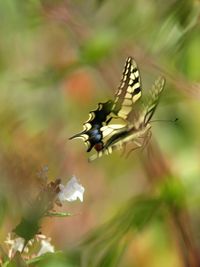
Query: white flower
x=71, y=191
x=16, y=244
x=45, y=247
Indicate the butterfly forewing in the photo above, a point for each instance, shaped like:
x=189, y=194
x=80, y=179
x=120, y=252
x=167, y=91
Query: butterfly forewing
x=155, y=96
x=150, y=106
x=129, y=90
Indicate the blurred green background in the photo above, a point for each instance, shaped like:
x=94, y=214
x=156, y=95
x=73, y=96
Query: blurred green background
x=58, y=59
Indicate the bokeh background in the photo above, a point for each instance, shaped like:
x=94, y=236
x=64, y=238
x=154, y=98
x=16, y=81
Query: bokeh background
x=58, y=59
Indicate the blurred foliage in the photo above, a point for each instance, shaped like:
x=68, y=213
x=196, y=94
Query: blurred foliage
x=58, y=59
x=107, y=244
x=43, y=204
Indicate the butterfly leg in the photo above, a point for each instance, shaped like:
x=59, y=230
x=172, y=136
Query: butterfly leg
x=147, y=139
x=95, y=156
x=123, y=150
x=138, y=145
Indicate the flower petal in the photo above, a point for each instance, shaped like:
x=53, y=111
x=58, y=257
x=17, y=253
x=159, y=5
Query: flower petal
x=71, y=191
x=45, y=247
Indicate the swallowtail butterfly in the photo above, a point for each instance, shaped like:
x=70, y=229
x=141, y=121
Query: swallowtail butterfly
x=115, y=123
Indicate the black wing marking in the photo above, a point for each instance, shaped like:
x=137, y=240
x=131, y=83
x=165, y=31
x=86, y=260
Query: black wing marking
x=92, y=133
x=129, y=90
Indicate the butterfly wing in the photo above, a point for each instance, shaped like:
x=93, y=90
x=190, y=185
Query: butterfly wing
x=129, y=90
x=102, y=131
x=92, y=133
x=130, y=132
x=127, y=94
x=150, y=106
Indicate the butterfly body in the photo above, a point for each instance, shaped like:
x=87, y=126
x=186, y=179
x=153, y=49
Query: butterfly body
x=116, y=127
x=115, y=123
x=122, y=137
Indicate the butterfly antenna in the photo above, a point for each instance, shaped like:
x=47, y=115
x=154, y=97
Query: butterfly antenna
x=173, y=121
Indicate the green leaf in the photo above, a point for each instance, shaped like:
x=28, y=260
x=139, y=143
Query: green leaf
x=27, y=229
x=59, y=214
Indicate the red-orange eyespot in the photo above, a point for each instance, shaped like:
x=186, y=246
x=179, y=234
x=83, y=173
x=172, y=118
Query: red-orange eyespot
x=98, y=146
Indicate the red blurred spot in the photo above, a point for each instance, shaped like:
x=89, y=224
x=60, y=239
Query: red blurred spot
x=80, y=86
x=98, y=146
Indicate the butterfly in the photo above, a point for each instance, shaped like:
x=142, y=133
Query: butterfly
x=117, y=122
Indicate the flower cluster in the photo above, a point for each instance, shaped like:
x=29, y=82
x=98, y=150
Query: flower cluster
x=41, y=242
x=29, y=243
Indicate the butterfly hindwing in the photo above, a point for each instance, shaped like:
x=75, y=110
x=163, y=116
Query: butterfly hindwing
x=129, y=90
x=92, y=133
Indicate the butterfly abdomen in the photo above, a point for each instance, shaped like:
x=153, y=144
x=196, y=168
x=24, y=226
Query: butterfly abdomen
x=95, y=137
